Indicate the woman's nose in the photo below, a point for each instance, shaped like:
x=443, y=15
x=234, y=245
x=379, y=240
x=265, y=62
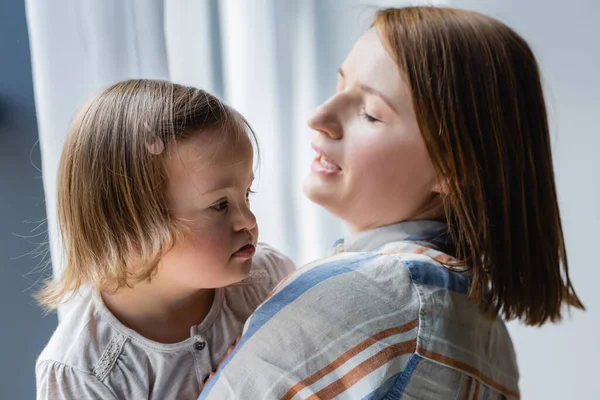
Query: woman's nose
x=325, y=119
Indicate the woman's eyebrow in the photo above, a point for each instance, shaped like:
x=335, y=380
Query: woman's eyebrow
x=366, y=88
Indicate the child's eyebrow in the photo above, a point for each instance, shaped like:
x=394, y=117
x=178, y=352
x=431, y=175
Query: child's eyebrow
x=227, y=183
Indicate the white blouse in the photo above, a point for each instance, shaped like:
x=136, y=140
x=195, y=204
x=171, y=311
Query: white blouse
x=92, y=355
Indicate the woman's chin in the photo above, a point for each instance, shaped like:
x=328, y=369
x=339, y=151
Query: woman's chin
x=319, y=192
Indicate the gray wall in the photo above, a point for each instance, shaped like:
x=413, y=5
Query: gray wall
x=23, y=329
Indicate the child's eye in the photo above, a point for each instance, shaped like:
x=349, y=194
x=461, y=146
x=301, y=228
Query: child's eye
x=221, y=206
x=368, y=117
x=249, y=193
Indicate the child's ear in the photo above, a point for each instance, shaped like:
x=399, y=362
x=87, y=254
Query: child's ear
x=156, y=147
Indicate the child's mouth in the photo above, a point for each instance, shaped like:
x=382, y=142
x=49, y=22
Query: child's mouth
x=245, y=252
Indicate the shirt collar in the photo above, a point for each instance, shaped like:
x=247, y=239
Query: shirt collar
x=374, y=239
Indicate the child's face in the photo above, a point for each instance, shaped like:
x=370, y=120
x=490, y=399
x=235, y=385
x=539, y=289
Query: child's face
x=207, y=188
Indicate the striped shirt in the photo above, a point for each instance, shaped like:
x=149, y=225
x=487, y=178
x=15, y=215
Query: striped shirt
x=382, y=318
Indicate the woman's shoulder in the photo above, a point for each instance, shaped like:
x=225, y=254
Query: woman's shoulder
x=380, y=264
x=350, y=297
x=455, y=331
x=332, y=310
x=348, y=277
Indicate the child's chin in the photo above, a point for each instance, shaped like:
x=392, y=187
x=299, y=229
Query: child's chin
x=242, y=267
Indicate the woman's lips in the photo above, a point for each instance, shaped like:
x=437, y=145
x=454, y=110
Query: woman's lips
x=325, y=163
x=322, y=164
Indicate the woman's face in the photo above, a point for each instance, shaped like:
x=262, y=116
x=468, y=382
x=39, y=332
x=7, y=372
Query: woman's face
x=372, y=167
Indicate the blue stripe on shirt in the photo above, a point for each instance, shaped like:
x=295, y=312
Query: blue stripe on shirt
x=287, y=295
x=426, y=236
x=395, y=386
x=434, y=275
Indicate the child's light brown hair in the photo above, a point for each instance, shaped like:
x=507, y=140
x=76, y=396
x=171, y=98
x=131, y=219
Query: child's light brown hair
x=479, y=103
x=114, y=221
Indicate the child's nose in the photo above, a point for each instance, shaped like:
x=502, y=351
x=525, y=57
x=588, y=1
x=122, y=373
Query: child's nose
x=246, y=219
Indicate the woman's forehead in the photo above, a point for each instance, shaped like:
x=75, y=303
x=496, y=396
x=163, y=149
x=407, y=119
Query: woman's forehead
x=369, y=64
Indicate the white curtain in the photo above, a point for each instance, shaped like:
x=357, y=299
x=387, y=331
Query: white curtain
x=78, y=48
x=272, y=60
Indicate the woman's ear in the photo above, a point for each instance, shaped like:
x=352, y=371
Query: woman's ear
x=441, y=187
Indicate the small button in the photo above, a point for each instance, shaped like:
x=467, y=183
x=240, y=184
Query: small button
x=199, y=345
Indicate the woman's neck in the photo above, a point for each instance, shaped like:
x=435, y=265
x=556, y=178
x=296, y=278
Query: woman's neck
x=433, y=210
x=159, y=312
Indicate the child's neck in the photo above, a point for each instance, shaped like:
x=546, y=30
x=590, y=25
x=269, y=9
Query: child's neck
x=159, y=313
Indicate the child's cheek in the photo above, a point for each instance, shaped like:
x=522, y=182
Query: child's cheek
x=211, y=234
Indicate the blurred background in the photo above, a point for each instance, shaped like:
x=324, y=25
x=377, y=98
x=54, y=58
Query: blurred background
x=273, y=60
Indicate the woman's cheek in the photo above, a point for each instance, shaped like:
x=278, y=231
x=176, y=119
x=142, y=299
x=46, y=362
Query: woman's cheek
x=375, y=159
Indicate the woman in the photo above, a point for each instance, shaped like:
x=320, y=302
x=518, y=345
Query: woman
x=435, y=151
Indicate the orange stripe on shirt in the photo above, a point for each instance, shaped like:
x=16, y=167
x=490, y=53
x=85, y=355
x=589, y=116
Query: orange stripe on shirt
x=363, y=369
x=468, y=392
x=468, y=369
x=443, y=258
x=347, y=356
x=419, y=250
x=476, y=394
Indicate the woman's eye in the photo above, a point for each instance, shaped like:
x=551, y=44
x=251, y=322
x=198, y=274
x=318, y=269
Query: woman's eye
x=220, y=207
x=249, y=194
x=368, y=117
